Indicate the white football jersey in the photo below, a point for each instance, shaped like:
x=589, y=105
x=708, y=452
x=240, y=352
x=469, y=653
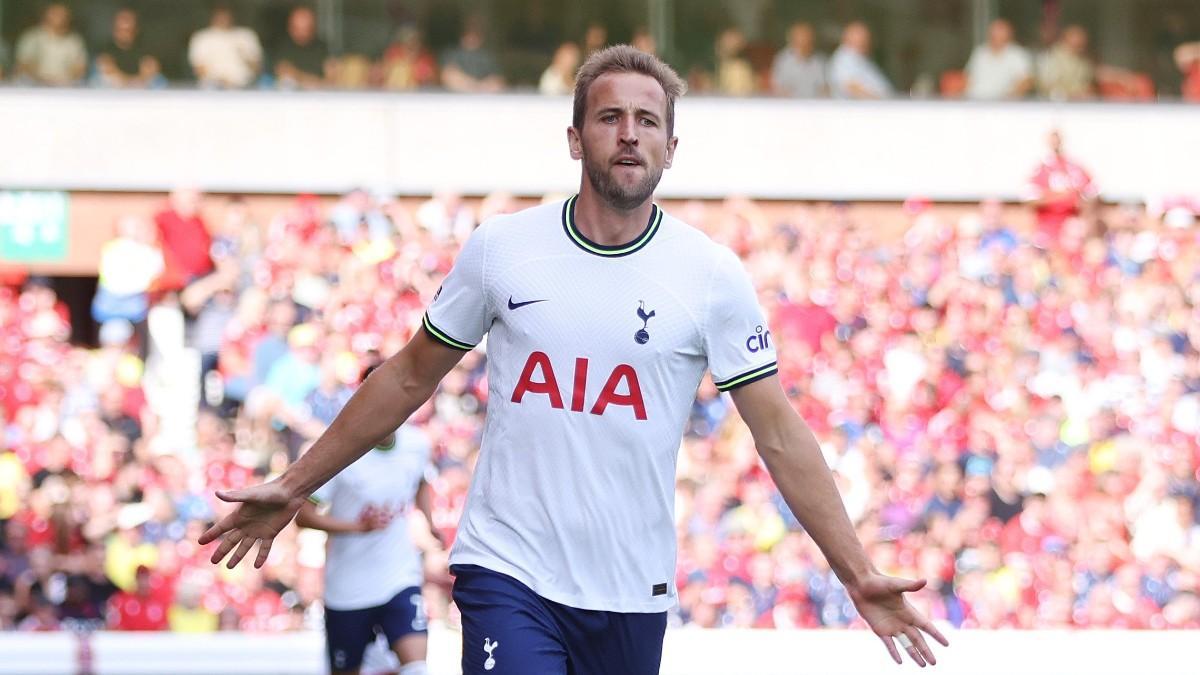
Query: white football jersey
x=367, y=569
x=595, y=354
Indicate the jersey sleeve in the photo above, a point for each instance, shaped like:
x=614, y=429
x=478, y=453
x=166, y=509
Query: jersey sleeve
x=737, y=340
x=459, y=315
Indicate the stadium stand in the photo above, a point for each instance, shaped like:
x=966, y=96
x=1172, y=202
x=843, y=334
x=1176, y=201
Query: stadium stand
x=1015, y=422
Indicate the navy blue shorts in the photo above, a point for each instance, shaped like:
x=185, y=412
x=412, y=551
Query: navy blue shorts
x=349, y=631
x=509, y=629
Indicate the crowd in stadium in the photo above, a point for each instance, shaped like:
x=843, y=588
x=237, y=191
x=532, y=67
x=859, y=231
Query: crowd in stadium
x=1010, y=401
x=226, y=55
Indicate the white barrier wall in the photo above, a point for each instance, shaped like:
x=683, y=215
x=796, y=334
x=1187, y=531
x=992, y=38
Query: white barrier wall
x=419, y=143
x=686, y=652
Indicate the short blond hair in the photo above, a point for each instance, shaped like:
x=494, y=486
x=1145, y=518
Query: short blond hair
x=626, y=59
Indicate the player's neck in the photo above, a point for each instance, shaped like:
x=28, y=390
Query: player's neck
x=607, y=225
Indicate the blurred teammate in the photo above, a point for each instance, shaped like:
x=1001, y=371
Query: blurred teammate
x=373, y=570
x=602, y=315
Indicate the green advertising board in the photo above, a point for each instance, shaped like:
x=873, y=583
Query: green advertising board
x=33, y=226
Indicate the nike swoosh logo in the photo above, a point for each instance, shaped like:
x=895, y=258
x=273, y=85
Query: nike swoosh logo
x=518, y=305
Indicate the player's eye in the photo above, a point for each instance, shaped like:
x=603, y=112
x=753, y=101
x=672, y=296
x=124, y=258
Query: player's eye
x=647, y=122
x=608, y=119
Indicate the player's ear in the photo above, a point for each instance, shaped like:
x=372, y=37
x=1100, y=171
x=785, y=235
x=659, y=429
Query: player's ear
x=670, y=151
x=574, y=143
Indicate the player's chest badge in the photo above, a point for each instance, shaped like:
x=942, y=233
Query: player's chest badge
x=642, y=336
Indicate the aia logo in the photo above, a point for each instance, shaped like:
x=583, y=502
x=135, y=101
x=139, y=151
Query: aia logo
x=759, y=341
x=538, y=378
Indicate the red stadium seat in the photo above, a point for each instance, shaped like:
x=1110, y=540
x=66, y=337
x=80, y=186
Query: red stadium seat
x=1133, y=86
x=953, y=84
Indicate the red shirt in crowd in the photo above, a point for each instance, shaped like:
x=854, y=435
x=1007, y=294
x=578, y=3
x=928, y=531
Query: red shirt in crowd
x=185, y=246
x=1063, y=186
x=133, y=611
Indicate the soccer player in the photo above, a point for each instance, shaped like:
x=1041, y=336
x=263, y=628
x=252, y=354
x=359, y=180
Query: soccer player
x=602, y=313
x=373, y=570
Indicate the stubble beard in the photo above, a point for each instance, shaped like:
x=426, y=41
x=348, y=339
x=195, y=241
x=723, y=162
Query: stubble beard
x=613, y=192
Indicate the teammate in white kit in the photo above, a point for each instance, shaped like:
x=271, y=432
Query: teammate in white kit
x=373, y=569
x=602, y=314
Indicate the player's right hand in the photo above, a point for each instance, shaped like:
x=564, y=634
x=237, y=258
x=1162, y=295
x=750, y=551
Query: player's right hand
x=262, y=512
x=373, y=518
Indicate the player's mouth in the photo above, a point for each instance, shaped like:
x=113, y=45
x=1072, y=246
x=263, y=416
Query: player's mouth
x=628, y=160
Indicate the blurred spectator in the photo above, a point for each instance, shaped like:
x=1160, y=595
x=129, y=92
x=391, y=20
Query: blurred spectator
x=187, y=614
x=595, y=38
x=142, y=608
x=129, y=265
x=1187, y=58
x=213, y=302
x=1065, y=72
x=42, y=616
x=406, y=63
x=223, y=55
x=14, y=484
x=559, y=77
x=1058, y=190
x=124, y=61
x=643, y=40
x=471, y=67
x=446, y=217
x=852, y=74
x=999, y=68
x=734, y=76
x=51, y=53
x=302, y=60
x=798, y=70
x=79, y=609
x=356, y=209
x=184, y=238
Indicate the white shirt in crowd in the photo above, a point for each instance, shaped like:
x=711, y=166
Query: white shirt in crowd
x=994, y=75
x=228, y=57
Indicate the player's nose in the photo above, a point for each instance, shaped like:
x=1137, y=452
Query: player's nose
x=628, y=131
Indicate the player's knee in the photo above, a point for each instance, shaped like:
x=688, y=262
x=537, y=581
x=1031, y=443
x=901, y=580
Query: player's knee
x=414, y=668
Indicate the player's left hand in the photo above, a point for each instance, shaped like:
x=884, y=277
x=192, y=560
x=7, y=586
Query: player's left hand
x=880, y=602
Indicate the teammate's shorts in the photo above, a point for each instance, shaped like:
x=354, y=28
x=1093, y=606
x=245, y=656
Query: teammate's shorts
x=349, y=631
x=509, y=629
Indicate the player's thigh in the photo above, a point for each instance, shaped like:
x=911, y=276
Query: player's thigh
x=403, y=622
x=612, y=643
x=411, y=647
x=347, y=633
x=505, y=627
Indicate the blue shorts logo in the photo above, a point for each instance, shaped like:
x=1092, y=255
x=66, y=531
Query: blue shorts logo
x=759, y=341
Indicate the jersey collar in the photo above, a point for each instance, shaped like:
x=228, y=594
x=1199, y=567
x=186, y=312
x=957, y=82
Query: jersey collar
x=638, y=243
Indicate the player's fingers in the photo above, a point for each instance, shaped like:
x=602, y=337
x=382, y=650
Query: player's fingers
x=891, y=647
x=230, y=540
x=913, y=653
x=921, y=646
x=213, y=533
x=264, y=548
x=242, y=549
x=927, y=626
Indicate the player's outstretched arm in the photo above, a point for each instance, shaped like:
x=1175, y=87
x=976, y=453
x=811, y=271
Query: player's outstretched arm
x=794, y=460
x=392, y=392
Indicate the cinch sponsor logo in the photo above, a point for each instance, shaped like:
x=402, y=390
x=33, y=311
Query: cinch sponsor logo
x=759, y=341
x=538, y=378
